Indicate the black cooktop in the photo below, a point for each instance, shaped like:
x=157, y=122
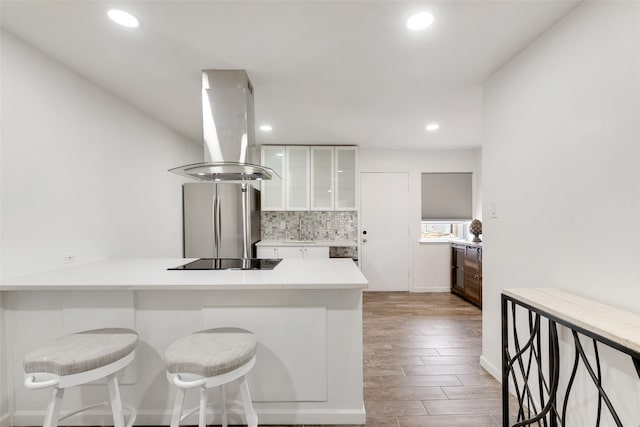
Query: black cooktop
x=230, y=264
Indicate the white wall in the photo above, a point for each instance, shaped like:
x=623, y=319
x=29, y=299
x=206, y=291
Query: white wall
x=5, y=405
x=430, y=270
x=560, y=162
x=84, y=174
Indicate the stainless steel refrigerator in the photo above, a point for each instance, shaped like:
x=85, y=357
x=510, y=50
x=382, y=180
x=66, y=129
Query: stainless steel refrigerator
x=213, y=222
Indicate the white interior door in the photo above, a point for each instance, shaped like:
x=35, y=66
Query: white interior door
x=384, y=235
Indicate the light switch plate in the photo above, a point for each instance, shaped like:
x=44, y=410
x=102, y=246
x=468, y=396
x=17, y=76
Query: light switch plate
x=494, y=211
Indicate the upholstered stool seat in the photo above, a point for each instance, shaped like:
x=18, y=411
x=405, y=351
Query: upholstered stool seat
x=78, y=359
x=212, y=358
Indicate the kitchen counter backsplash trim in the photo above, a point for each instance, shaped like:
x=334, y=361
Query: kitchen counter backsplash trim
x=311, y=225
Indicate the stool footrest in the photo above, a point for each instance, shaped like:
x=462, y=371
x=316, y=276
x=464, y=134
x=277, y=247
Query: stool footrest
x=230, y=404
x=130, y=409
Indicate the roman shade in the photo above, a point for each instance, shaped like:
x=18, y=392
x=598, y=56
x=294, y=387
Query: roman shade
x=447, y=196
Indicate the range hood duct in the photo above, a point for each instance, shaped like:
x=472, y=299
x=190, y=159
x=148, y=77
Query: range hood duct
x=229, y=130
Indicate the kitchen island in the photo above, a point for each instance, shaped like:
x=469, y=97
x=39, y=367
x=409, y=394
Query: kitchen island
x=307, y=315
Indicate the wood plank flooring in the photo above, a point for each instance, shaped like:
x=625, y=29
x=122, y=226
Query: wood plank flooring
x=421, y=362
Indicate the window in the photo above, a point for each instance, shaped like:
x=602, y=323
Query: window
x=442, y=230
x=446, y=205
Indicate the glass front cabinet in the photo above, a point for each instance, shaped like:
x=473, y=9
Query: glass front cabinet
x=322, y=178
x=297, y=178
x=272, y=191
x=316, y=178
x=346, y=178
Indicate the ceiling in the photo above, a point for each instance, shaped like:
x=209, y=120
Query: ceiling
x=324, y=72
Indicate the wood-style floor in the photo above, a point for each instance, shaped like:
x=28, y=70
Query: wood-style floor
x=421, y=362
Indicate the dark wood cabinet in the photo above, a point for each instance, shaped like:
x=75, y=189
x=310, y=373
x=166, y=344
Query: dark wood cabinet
x=466, y=272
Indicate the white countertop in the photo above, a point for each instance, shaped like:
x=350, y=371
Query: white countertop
x=449, y=240
x=152, y=274
x=330, y=243
x=609, y=322
x=466, y=242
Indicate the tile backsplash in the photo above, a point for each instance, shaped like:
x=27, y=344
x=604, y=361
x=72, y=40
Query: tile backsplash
x=312, y=225
x=309, y=225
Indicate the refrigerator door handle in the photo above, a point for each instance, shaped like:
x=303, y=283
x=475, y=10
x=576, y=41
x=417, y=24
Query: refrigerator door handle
x=214, y=228
x=246, y=221
x=215, y=214
x=218, y=226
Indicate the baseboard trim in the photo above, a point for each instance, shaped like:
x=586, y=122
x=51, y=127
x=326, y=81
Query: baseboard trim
x=491, y=369
x=425, y=289
x=155, y=418
x=5, y=420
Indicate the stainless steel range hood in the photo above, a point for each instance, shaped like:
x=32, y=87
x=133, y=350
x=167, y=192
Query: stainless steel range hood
x=229, y=133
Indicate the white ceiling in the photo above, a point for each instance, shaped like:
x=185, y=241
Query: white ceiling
x=324, y=72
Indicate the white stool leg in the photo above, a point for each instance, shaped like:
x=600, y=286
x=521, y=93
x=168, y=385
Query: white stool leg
x=53, y=411
x=177, y=407
x=223, y=390
x=203, y=406
x=116, y=402
x=252, y=416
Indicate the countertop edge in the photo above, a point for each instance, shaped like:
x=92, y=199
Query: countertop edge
x=451, y=241
x=152, y=274
x=314, y=243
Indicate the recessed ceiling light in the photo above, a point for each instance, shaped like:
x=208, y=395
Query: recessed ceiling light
x=419, y=21
x=266, y=128
x=123, y=18
x=433, y=127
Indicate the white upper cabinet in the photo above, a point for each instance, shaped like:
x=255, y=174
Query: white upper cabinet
x=317, y=178
x=297, y=178
x=346, y=178
x=322, y=178
x=273, y=190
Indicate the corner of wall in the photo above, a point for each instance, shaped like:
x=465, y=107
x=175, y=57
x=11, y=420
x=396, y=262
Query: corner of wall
x=5, y=402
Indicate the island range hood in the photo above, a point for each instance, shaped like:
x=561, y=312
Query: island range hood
x=229, y=133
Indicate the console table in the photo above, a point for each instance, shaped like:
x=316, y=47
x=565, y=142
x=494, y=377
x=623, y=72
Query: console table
x=536, y=378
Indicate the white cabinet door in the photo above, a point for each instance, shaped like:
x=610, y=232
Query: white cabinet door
x=346, y=165
x=272, y=197
x=297, y=178
x=319, y=178
x=267, y=251
x=295, y=252
x=316, y=252
x=322, y=177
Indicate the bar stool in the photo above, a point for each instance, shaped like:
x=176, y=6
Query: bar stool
x=207, y=359
x=78, y=359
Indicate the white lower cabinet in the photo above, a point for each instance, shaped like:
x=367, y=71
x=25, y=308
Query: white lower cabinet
x=316, y=251
x=293, y=252
x=267, y=251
